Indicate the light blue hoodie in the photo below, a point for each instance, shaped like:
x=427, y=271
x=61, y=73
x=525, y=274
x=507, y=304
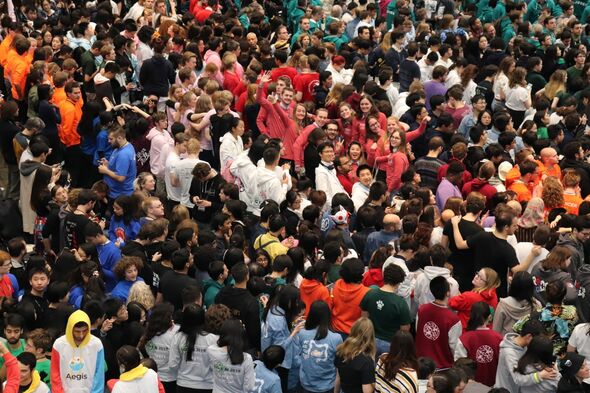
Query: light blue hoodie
x=318, y=372
x=267, y=381
x=276, y=332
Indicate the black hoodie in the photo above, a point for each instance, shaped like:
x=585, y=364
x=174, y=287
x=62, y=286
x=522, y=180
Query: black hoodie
x=246, y=307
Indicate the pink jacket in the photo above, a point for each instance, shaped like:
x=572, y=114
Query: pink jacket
x=397, y=163
x=274, y=121
x=383, y=145
x=301, y=143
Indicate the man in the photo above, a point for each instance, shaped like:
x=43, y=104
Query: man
x=28, y=173
x=218, y=272
x=204, y=191
x=462, y=260
x=17, y=69
x=161, y=142
x=571, y=192
x=428, y=165
x=476, y=152
x=108, y=253
x=268, y=184
x=13, y=331
x=239, y=299
x=75, y=221
x=528, y=177
x=326, y=178
x=77, y=358
x=437, y=267
x=550, y=160
x=407, y=249
x=89, y=65
x=170, y=171
x=448, y=187
x=282, y=68
x=342, y=164
x=120, y=170
x=438, y=328
x=493, y=250
x=153, y=208
x=482, y=184
x=35, y=297
x=71, y=113
x=30, y=381
x=33, y=126
x=389, y=233
x=270, y=241
x=409, y=71
x=436, y=86
x=478, y=105
x=512, y=347
x=574, y=241
x=172, y=283
x=574, y=159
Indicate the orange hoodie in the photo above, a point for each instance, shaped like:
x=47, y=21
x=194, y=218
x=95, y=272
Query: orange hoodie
x=346, y=308
x=312, y=290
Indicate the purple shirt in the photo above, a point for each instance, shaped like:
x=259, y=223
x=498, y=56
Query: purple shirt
x=433, y=88
x=445, y=190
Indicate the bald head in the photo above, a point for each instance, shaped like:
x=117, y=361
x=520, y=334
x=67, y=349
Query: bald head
x=549, y=156
x=515, y=206
x=391, y=222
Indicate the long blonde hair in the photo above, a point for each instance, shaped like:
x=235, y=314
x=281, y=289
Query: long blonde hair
x=335, y=95
x=492, y=280
x=361, y=341
x=556, y=84
x=141, y=293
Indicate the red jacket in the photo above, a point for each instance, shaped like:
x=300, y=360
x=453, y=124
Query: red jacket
x=432, y=333
x=397, y=163
x=373, y=277
x=479, y=185
x=274, y=121
x=463, y=302
x=483, y=347
x=346, y=183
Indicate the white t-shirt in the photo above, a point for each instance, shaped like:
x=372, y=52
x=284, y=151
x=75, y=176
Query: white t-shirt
x=523, y=249
x=516, y=97
x=172, y=161
x=581, y=341
x=184, y=173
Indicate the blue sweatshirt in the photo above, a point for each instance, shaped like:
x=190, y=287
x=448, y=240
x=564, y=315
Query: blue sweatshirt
x=318, y=371
x=108, y=256
x=121, y=290
x=267, y=381
x=276, y=332
x=118, y=229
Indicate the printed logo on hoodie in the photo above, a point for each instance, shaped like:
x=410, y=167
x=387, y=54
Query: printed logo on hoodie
x=76, y=365
x=319, y=352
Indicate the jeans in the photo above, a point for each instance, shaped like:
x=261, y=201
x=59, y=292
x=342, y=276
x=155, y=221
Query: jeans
x=382, y=346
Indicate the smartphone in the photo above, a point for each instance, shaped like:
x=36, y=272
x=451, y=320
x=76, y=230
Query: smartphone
x=100, y=155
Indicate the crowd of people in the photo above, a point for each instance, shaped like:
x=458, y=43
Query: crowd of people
x=295, y=196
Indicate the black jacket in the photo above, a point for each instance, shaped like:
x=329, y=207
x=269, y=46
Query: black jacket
x=245, y=307
x=583, y=169
x=156, y=75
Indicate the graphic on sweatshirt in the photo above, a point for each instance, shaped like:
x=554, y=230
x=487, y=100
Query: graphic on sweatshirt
x=431, y=331
x=76, y=364
x=319, y=352
x=259, y=384
x=380, y=304
x=484, y=354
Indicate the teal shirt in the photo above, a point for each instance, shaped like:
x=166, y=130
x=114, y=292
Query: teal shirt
x=534, y=10
x=338, y=41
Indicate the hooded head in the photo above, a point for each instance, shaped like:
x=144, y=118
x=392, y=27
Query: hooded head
x=78, y=329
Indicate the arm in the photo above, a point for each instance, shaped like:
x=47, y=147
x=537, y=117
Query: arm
x=459, y=302
x=394, y=172
x=12, y=371
x=459, y=242
x=113, y=175
x=524, y=265
x=56, y=385
x=454, y=334
x=499, y=317
x=249, y=374
x=444, y=241
x=337, y=382
x=369, y=388
x=411, y=135
x=460, y=351
x=98, y=379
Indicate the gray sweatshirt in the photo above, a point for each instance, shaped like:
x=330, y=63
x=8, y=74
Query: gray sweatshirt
x=227, y=377
x=158, y=348
x=191, y=373
x=510, y=311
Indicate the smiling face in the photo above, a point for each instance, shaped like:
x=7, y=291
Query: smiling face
x=366, y=177
x=395, y=140
x=354, y=152
x=345, y=112
x=365, y=105
x=131, y=273
x=300, y=112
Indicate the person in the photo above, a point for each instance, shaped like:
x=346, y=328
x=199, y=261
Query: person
x=537, y=358
x=355, y=362
x=480, y=344
x=39, y=344
x=71, y=112
x=437, y=328
x=554, y=267
x=172, y=283
x=313, y=286
x=188, y=352
x=218, y=273
x=438, y=258
x=484, y=283
x=233, y=369
x=397, y=369
x=77, y=358
x=347, y=294
x=317, y=371
x=108, y=253
x=326, y=178
x=135, y=376
x=127, y=270
x=160, y=144
x=512, y=347
x=266, y=379
x=519, y=302
x=387, y=310
x=119, y=171
x=574, y=373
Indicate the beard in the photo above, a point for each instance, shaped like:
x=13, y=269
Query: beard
x=12, y=341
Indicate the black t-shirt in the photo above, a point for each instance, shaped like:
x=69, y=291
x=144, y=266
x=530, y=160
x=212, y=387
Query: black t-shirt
x=493, y=252
x=74, y=225
x=462, y=260
x=171, y=286
x=355, y=373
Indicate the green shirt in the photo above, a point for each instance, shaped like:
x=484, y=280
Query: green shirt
x=15, y=352
x=334, y=273
x=387, y=311
x=43, y=368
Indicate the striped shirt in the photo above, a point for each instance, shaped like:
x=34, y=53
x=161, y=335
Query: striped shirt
x=405, y=381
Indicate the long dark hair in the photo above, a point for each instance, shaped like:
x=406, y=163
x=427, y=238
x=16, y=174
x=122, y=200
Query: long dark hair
x=539, y=354
x=522, y=287
x=231, y=335
x=480, y=312
x=320, y=318
x=193, y=324
x=158, y=323
x=297, y=255
x=40, y=183
x=288, y=300
x=87, y=127
x=129, y=206
x=402, y=353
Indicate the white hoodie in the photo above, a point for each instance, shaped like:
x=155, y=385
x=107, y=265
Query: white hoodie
x=230, y=148
x=245, y=172
x=268, y=186
x=422, y=293
x=359, y=196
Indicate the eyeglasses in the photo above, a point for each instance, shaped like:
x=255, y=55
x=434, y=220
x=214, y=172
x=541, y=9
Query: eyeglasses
x=480, y=277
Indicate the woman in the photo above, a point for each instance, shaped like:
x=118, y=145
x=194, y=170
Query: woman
x=124, y=225
x=231, y=146
x=557, y=319
x=367, y=108
x=227, y=357
x=142, y=294
x=383, y=145
x=485, y=120
x=289, y=209
x=519, y=302
x=187, y=104
x=333, y=100
x=355, y=153
x=145, y=184
x=396, y=371
x=469, y=86
x=174, y=96
x=188, y=353
x=126, y=270
x=355, y=362
x=317, y=371
x=7, y=281
x=477, y=339
x=50, y=115
x=134, y=376
x=204, y=105
x=348, y=123
x=280, y=324
x=86, y=284
x=537, y=359
x=313, y=286
x=575, y=373
x=552, y=194
x=518, y=96
x=484, y=282
x=156, y=343
x=555, y=266
x=507, y=66
x=231, y=80
x=533, y=216
x=556, y=87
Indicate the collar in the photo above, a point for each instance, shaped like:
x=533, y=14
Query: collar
x=327, y=165
x=35, y=381
x=16, y=264
x=135, y=373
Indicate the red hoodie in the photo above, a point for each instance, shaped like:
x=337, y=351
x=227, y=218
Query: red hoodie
x=373, y=277
x=482, y=186
x=346, y=309
x=463, y=302
x=312, y=290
